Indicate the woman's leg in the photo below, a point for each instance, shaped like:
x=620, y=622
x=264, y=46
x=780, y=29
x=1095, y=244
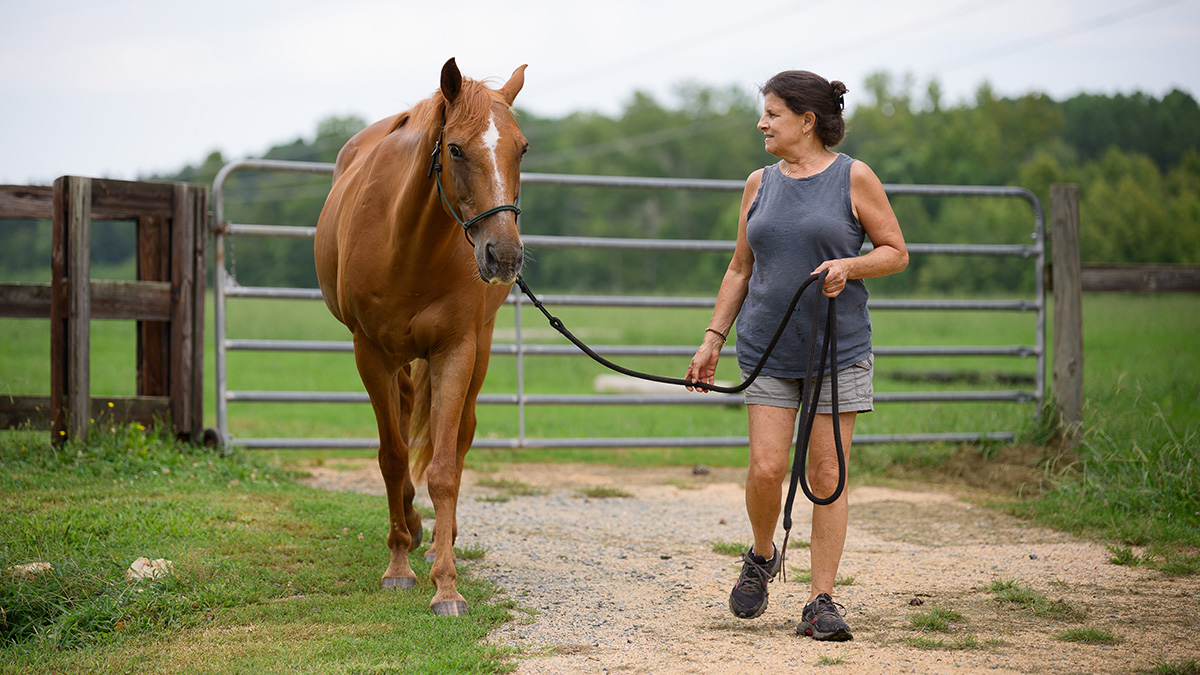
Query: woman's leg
x=828, y=522
x=771, y=431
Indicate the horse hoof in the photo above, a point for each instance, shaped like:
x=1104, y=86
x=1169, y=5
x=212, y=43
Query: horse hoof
x=429, y=556
x=449, y=608
x=402, y=583
x=417, y=539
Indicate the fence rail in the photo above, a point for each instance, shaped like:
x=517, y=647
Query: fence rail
x=226, y=289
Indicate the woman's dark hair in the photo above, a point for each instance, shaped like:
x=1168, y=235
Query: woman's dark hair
x=803, y=92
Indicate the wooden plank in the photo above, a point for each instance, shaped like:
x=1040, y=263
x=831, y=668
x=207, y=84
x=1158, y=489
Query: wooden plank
x=78, y=218
x=25, y=301
x=153, y=337
x=129, y=300
x=1141, y=278
x=1067, y=384
x=19, y=411
x=58, y=314
x=129, y=200
x=35, y=411
x=27, y=202
x=182, y=280
x=200, y=274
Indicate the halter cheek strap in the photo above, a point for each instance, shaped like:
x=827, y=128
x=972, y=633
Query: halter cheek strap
x=435, y=170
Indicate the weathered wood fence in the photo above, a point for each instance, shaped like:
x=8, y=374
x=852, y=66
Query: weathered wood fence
x=166, y=301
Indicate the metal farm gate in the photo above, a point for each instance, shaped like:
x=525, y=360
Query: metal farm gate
x=226, y=288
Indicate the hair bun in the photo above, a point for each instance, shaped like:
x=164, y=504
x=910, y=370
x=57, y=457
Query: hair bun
x=838, y=89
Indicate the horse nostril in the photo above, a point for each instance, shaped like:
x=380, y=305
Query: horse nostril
x=490, y=258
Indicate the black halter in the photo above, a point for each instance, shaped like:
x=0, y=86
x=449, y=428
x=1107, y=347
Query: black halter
x=435, y=170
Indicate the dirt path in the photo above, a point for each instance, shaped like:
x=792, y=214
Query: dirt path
x=632, y=584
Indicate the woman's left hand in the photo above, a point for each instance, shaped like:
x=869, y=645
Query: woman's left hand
x=835, y=282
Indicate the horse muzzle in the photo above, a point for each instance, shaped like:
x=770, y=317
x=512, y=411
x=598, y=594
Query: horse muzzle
x=499, y=260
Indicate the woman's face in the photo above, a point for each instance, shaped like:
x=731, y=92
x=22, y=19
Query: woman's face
x=784, y=129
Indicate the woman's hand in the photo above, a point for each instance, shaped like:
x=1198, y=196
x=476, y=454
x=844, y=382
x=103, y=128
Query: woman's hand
x=703, y=367
x=839, y=274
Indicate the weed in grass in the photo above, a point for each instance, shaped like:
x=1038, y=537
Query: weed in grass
x=1191, y=667
x=494, y=499
x=1122, y=555
x=729, y=547
x=1179, y=564
x=510, y=487
x=935, y=618
x=1088, y=636
x=471, y=552
x=941, y=644
x=804, y=576
x=1014, y=592
x=825, y=660
x=601, y=492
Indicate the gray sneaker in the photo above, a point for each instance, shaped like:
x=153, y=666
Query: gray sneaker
x=823, y=621
x=748, y=599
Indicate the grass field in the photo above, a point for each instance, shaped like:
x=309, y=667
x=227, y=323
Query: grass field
x=268, y=574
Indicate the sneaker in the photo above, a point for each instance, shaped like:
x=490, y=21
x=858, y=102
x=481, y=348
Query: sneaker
x=749, y=596
x=823, y=621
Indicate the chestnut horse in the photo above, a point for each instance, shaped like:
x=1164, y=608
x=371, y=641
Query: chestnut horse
x=421, y=298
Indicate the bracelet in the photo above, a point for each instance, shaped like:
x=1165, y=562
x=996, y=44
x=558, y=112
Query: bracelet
x=718, y=333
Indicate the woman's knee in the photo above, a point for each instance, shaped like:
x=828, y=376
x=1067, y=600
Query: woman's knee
x=768, y=470
x=823, y=475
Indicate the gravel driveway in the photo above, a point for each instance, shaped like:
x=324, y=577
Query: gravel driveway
x=632, y=584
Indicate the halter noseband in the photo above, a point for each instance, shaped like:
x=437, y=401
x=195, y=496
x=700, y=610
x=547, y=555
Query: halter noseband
x=435, y=170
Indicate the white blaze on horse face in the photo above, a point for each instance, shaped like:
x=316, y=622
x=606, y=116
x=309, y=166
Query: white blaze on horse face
x=491, y=140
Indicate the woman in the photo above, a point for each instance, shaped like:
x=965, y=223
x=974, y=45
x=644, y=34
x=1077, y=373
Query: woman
x=806, y=214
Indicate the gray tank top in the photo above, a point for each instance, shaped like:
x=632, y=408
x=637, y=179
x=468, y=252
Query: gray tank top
x=794, y=225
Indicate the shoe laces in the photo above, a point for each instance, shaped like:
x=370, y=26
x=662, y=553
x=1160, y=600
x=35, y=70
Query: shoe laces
x=824, y=604
x=754, y=575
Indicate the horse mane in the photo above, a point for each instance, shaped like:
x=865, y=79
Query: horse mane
x=472, y=110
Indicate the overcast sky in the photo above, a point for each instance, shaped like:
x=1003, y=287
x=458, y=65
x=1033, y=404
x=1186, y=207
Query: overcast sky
x=126, y=88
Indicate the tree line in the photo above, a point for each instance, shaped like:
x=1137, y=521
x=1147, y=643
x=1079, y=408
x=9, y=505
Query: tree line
x=1135, y=157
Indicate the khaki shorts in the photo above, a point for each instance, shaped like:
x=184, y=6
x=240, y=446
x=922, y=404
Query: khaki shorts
x=856, y=392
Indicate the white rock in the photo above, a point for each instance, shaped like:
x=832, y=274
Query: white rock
x=144, y=568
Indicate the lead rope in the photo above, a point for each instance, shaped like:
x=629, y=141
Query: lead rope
x=808, y=395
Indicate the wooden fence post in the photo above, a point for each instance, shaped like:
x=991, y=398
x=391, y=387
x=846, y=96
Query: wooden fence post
x=1067, y=382
x=70, y=333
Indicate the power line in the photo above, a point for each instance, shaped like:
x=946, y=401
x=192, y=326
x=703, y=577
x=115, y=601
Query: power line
x=1056, y=34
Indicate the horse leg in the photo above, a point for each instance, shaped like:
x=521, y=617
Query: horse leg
x=451, y=374
x=404, y=388
x=381, y=378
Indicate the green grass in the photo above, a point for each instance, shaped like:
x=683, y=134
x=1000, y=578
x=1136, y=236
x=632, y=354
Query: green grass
x=1190, y=667
x=603, y=492
x=730, y=547
x=942, y=644
x=266, y=571
x=934, y=619
x=1088, y=636
x=1028, y=598
x=510, y=488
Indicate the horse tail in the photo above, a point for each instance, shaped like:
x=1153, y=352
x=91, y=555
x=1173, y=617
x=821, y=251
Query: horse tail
x=421, y=444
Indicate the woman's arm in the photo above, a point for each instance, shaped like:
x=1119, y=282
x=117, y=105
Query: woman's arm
x=874, y=212
x=730, y=297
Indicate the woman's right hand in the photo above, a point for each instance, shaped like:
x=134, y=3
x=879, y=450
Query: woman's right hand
x=703, y=367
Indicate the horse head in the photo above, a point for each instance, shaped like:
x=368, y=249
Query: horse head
x=482, y=147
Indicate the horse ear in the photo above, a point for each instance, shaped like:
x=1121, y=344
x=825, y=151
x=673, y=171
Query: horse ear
x=451, y=81
x=513, y=87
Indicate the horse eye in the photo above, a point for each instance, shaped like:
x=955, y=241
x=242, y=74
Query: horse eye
x=455, y=151
x=524, y=150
